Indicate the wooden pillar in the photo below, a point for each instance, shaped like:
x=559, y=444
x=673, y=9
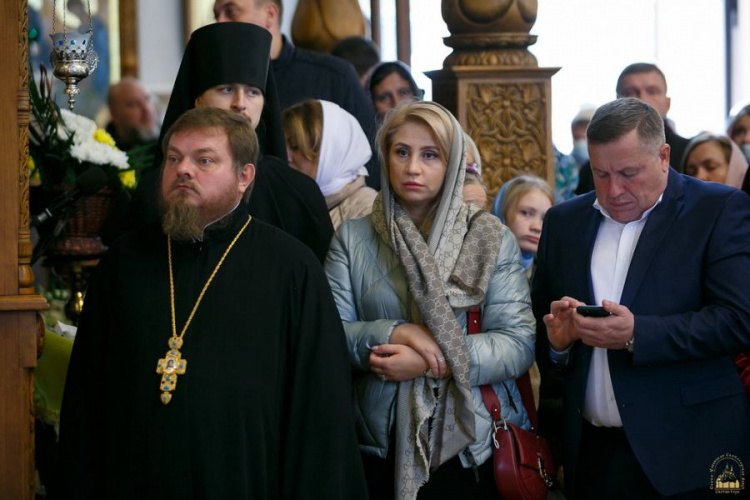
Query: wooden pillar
x=19, y=306
x=496, y=89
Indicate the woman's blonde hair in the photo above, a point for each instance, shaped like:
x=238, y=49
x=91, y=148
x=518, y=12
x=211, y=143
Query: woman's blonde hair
x=424, y=112
x=435, y=118
x=520, y=187
x=303, y=128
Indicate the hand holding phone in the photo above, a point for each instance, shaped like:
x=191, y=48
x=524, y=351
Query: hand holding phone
x=592, y=311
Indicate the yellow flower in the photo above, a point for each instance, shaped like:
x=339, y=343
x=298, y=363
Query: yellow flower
x=101, y=135
x=34, y=177
x=128, y=178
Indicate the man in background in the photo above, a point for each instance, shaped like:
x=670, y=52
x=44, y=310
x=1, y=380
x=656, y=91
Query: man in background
x=134, y=121
x=644, y=81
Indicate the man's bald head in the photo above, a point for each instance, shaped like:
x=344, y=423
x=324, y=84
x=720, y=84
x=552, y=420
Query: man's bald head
x=133, y=111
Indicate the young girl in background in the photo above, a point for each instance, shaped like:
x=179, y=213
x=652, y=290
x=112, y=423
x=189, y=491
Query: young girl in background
x=521, y=205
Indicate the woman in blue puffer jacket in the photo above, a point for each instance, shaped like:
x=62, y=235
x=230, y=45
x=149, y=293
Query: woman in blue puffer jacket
x=403, y=279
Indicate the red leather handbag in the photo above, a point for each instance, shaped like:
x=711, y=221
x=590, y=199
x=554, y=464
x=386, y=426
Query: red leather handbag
x=524, y=469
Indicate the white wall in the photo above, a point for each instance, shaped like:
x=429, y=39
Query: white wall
x=592, y=40
x=160, y=43
x=286, y=22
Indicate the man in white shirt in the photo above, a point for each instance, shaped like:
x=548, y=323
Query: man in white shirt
x=654, y=407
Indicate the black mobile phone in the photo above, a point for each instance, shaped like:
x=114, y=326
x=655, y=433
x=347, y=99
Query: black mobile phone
x=592, y=311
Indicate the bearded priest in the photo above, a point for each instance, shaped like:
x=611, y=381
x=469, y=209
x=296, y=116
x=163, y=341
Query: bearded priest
x=210, y=361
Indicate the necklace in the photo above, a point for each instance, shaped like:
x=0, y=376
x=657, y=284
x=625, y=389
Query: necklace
x=173, y=364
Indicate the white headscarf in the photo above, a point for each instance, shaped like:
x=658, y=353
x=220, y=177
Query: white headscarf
x=344, y=149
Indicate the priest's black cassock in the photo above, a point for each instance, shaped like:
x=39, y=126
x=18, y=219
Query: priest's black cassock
x=263, y=410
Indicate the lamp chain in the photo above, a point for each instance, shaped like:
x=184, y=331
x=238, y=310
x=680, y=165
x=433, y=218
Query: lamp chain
x=91, y=24
x=65, y=26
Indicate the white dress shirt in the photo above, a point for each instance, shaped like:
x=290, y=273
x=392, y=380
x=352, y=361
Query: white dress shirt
x=610, y=261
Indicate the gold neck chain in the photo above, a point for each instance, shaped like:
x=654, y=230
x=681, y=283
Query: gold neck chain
x=173, y=364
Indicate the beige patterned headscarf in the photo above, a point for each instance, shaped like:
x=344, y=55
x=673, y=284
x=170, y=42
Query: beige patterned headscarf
x=451, y=270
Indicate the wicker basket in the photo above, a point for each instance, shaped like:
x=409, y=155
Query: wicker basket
x=80, y=237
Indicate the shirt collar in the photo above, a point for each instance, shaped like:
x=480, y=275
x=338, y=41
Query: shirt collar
x=645, y=214
x=224, y=226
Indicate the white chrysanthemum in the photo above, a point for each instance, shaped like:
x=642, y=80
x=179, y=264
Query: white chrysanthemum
x=87, y=149
x=99, y=153
x=81, y=127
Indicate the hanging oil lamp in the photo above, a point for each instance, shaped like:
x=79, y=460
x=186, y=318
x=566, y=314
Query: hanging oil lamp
x=73, y=56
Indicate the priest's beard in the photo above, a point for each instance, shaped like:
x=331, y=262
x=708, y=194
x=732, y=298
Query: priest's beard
x=180, y=220
x=184, y=221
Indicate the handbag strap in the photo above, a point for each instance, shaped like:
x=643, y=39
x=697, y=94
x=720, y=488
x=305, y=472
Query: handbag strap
x=491, y=401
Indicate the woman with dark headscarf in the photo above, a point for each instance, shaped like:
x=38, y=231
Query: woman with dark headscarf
x=226, y=65
x=389, y=84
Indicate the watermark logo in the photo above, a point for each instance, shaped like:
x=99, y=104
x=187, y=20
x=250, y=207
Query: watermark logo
x=727, y=475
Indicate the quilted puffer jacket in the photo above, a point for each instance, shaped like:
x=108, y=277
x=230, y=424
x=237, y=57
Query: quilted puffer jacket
x=370, y=289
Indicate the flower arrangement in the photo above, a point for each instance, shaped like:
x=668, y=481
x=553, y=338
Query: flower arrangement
x=63, y=145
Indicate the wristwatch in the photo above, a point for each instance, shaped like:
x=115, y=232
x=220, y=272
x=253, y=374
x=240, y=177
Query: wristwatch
x=630, y=344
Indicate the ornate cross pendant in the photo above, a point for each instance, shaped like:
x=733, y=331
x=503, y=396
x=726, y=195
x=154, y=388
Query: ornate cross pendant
x=169, y=368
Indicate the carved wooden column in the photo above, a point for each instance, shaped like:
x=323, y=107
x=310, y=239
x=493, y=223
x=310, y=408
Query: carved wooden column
x=19, y=330
x=495, y=87
x=319, y=24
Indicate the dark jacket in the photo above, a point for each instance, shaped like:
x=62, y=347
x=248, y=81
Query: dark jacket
x=692, y=315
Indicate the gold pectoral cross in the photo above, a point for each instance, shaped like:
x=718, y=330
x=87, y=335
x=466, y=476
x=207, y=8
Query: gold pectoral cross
x=169, y=368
